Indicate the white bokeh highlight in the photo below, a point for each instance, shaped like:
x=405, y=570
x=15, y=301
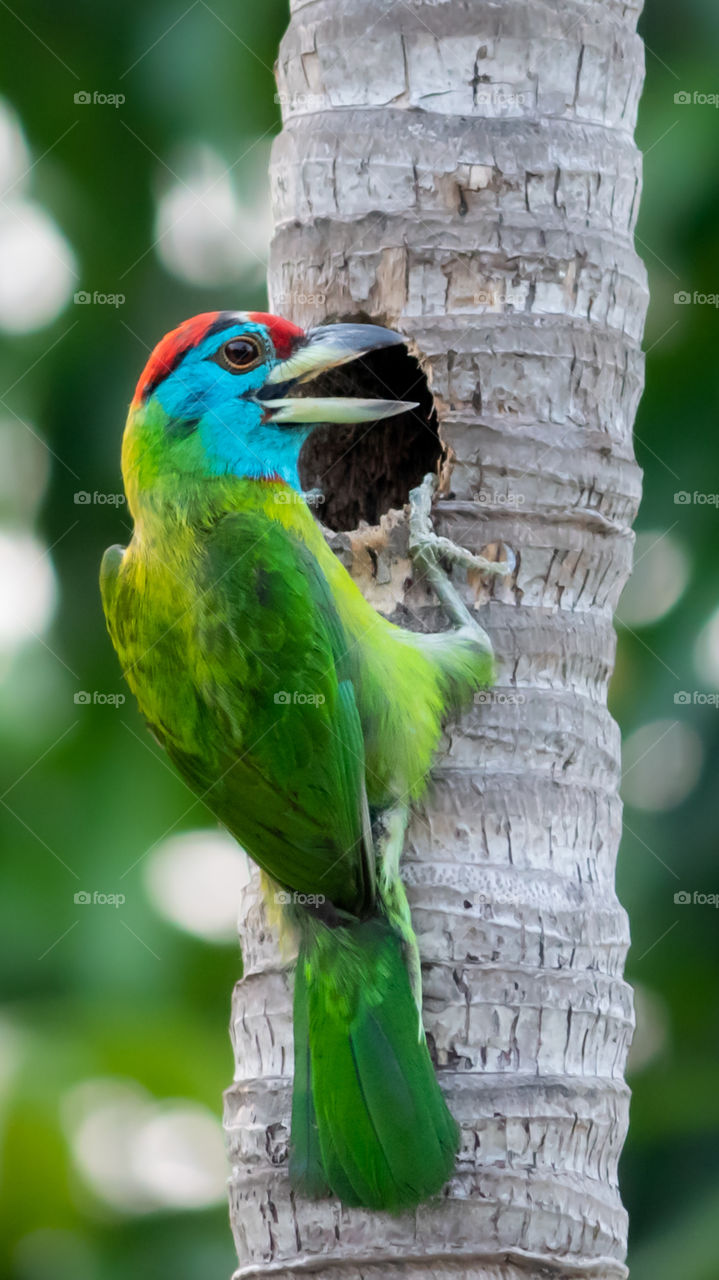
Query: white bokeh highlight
x=658, y=581
x=195, y=880
x=28, y=590
x=652, y=1033
x=140, y=1155
x=662, y=765
x=24, y=469
x=206, y=232
x=15, y=159
x=706, y=653
x=38, y=270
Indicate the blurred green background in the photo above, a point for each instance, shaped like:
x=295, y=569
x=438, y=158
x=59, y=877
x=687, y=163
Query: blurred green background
x=113, y=1053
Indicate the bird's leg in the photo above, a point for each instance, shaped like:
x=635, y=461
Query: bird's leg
x=428, y=549
x=390, y=844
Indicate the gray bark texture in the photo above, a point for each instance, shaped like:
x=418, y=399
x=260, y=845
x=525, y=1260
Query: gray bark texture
x=466, y=172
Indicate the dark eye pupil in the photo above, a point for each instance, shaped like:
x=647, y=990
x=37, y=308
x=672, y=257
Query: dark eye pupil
x=240, y=352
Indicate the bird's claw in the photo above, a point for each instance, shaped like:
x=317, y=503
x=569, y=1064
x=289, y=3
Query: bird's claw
x=424, y=542
x=428, y=549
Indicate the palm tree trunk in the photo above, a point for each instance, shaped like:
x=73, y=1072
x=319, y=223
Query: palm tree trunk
x=466, y=171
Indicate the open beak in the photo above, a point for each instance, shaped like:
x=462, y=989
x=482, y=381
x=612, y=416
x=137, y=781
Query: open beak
x=328, y=347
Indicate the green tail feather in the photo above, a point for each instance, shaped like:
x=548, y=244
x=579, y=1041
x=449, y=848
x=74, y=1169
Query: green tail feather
x=306, y=1169
x=369, y=1121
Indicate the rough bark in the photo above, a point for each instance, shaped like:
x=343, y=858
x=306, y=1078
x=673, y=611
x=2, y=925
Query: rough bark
x=466, y=172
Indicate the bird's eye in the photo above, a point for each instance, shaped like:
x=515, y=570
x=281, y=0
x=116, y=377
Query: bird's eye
x=241, y=354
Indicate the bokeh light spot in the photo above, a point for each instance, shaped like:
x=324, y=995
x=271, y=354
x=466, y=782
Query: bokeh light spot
x=28, y=590
x=195, y=880
x=24, y=470
x=140, y=1155
x=37, y=268
x=658, y=582
x=14, y=152
x=651, y=1036
x=206, y=233
x=180, y=1156
x=662, y=764
x=706, y=653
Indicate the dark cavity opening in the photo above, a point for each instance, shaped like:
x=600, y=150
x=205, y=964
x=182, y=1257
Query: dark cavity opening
x=364, y=470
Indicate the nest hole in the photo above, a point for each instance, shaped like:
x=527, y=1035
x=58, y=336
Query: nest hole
x=364, y=470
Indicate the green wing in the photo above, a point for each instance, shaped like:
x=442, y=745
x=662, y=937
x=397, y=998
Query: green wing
x=281, y=731
x=109, y=574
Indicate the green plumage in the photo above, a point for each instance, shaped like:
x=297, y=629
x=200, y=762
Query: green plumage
x=374, y=1120
x=301, y=717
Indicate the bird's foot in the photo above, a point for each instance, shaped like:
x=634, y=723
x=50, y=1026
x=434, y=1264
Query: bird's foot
x=428, y=549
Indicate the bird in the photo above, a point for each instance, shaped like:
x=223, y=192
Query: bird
x=305, y=720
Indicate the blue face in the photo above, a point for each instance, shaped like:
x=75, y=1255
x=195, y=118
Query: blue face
x=211, y=397
x=217, y=399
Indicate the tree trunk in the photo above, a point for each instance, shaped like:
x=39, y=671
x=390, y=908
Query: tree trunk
x=466, y=171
